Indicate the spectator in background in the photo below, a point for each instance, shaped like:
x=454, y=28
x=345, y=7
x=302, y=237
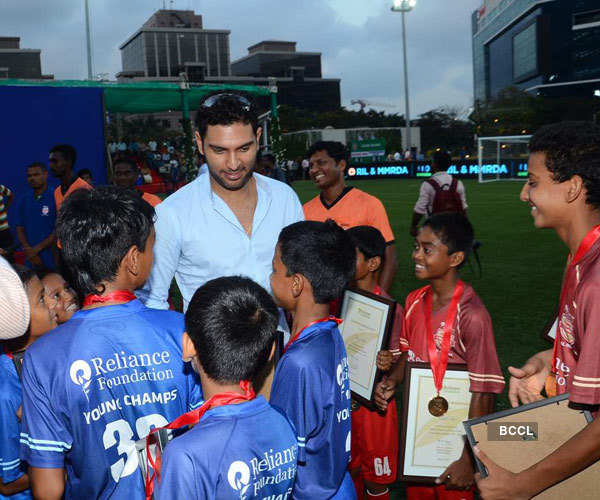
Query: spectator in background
x=125, y=175
x=35, y=216
x=6, y=240
x=347, y=205
x=86, y=175
x=61, y=160
x=440, y=193
x=265, y=165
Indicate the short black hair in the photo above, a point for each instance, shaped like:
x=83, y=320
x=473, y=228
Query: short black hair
x=67, y=151
x=369, y=241
x=96, y=228
x=85, y=171
x=441, y=161
x=127, y=161
x=226, y=110
x=454, y=230
x=572, y=148
x=232, y=322
x=36, y=164
x=24, y=273
x=334, y=149
x=323, y=253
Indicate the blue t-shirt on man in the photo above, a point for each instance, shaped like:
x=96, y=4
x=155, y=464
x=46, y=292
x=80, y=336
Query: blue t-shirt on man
x=95, y=385
x=312, y=388
x=37, y=215
x=245, y=450
x=11, y=467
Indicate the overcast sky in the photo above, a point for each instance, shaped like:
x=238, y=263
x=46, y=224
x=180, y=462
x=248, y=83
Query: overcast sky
x=361, y=40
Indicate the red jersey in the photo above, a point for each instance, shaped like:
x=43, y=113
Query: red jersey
x=471, y=342
x=576, y=361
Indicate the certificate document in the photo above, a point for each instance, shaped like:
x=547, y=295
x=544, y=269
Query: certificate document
x=432, y=443
x=366, y=323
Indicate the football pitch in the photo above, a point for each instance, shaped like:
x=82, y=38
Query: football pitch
x=521, y=266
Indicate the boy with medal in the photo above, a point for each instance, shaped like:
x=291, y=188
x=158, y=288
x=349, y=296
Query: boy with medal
x=312, y=265
x=563, y=191
x=446, y=322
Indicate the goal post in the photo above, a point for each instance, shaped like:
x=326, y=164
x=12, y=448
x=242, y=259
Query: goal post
x=502, y=157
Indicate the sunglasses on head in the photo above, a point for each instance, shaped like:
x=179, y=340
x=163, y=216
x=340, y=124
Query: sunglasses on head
x=214, y=99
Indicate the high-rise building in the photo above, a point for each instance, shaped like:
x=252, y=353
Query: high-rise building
x=547, y=47
x=175, y=41
x=16, y=62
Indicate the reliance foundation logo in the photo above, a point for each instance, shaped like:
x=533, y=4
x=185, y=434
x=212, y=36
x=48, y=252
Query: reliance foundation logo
x=239, y=477
x=81, y=374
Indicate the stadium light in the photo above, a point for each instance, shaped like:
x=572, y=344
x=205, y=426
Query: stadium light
x=404, y=6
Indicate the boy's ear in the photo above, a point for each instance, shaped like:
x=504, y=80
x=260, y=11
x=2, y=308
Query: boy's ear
x=273, y=347
x=131, y=260
x=189, y=351
x=298, y=283
x=575, y=188
x=374, y=263
x=457, y=258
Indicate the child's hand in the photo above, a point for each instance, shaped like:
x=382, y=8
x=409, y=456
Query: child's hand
x=384, y=360
x=384, y=391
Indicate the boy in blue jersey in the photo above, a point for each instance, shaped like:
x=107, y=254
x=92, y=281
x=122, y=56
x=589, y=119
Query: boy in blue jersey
x=241, y=447
x=110, y=374
x=14, y=481
x=313, y=263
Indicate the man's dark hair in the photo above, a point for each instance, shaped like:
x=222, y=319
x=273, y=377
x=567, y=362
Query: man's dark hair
x=95, y=229
x=454, y=230
x=85, y=171
x=323, y=253
x=126, y=161
x=334, y=149
x=572, y=148
x=441, y=161
x=36, y=164
x=67, y=151
x=232, y=322
x=369, y=241
x=226, y=110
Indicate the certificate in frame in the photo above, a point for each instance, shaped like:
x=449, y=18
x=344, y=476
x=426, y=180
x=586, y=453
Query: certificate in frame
x=367, y=321
x=429, y=443
x=550, y=328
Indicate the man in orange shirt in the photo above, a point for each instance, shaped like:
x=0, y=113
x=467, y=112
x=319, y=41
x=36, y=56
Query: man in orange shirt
x=61, y=161
x=125, y=174
x=347, y=205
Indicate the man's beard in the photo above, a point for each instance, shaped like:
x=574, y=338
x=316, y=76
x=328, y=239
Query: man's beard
x=224, y=185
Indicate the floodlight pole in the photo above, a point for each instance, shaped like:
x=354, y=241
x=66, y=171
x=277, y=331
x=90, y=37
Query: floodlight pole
x=89, y=41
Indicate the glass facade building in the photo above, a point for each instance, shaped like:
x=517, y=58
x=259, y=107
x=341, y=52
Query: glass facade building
x=551, y=47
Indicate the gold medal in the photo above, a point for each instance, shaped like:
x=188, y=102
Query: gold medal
x=438, y=406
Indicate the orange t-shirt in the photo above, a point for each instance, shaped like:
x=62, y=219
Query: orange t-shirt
x=150, y=198
x=353, y=208
x=78, y=184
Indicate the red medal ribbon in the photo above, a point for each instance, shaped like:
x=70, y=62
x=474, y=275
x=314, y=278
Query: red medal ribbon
x=322, y=320
x=191, y=418
x=584, y=247
x=439, y=361
x=116, y=296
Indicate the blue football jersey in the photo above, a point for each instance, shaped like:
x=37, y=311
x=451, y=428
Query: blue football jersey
x=11, y=467
x=95, y=385
x=312, y=388
x=245, y=450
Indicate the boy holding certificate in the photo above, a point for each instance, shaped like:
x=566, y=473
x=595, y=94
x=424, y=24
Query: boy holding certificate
x=374, y=462
x=563, y=191
x=312, y=265
x=446, y=322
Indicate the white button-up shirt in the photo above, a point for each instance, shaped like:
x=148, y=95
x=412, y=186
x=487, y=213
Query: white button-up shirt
x=199, y=238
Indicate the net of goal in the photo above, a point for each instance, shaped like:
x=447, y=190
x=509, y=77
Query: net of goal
x=503, y=157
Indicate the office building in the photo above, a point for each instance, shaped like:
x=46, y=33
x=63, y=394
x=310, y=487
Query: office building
x=16, y=62
x=547, y=47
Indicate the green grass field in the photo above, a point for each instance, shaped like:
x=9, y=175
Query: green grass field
x=522, y=266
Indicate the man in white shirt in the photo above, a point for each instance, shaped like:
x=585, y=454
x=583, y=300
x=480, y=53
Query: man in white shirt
x=453, y=192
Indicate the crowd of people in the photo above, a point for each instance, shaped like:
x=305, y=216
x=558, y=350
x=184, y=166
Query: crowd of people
x=109, y=393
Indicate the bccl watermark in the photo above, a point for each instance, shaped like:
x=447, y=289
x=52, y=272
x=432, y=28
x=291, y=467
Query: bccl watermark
x=512, y=431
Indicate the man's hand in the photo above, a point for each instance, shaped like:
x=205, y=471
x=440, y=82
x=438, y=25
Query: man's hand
x=500, y=484
x=384, y=391
x=526, y=383
x=459, y=475
x=384, y=360
x=30, y=252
